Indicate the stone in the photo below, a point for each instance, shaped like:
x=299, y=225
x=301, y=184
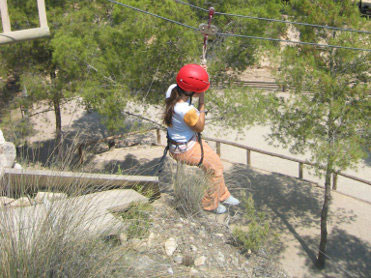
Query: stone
x=41, y=197
x=170, y=246
x=18, y=166
x=188, y=260
x=2, y=139
x=200, y=261
x=170, y=270
x=151, y=239
x=178, y=259
x=193, y=271
x=7, y=155
x=90, y=215
x=123, y=238
x=21, y=202
x=4, y=201
x=193, y=248
x=220, y=258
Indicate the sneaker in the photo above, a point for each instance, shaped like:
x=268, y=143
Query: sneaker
x=232, y=201
x=220, y=209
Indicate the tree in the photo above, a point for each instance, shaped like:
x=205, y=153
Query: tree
x=329, y=110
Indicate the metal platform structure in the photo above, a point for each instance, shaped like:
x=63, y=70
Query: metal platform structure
x=9, y=36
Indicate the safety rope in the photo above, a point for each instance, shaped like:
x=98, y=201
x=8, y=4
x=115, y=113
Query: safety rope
x=243, y=36
x=278, y=20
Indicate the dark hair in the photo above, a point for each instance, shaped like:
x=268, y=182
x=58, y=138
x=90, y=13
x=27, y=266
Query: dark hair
x=170, y=102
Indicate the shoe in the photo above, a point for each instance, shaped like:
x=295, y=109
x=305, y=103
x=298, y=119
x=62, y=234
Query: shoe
x=220, y=209
x=232, y=201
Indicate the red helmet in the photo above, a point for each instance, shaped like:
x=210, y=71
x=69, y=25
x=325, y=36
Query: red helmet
x=193, y=78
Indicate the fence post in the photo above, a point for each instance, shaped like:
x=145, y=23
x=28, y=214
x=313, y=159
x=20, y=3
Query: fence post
x=158, y=136
x=248, y=157
x=334, y=181
x=81, y=154
x=218, y=148
x=300, y=170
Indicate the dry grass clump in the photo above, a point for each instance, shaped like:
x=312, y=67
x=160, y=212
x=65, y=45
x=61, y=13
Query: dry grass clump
x=60, y=237
x=189, y=188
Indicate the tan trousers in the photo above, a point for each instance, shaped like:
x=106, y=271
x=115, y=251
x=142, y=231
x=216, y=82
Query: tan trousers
x=213, y=167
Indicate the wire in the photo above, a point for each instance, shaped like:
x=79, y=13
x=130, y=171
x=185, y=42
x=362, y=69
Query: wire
x=241, y=36
x=278, y=20
x=296, y=42
x=155, y=15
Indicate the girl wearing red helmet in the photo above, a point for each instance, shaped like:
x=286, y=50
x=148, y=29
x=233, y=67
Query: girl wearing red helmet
x=185, y=123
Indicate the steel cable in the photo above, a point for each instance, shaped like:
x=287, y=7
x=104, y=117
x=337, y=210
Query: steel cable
x=278, y=20
x=238, y=35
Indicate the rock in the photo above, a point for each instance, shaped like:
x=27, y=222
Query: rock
x=170, y=246
x=2, y=139
x=4, y=201
x=7, y=155
x=178, y=259
x=200, y=261
x=21, y=202
x=151, y=238
x=193, y=271
x=123, y=238
x=188, y=260
x=220, y=258
x=219, y=235
x=193, y=248
x=170, y=270
x=18, y=166
x=42, y=197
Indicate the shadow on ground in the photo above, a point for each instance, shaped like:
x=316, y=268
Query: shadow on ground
x=292, y=205
x=347, y=255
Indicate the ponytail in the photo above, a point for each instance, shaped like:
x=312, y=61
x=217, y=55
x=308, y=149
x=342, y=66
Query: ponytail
x=170, y=104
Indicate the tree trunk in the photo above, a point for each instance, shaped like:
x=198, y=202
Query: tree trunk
x=326, y=204
x=58, y=120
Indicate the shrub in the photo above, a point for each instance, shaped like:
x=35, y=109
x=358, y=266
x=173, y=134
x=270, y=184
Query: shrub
x=189, y=188
x=138, y=218
x=258, y=230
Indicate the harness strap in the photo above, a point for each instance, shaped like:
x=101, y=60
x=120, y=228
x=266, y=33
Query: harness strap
x=202, y=149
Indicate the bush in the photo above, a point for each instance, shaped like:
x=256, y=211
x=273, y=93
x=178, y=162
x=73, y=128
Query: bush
x=258, y=230
x=138, y=218
x=189, y=189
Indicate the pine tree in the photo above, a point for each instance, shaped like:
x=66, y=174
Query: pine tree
x=328, y=112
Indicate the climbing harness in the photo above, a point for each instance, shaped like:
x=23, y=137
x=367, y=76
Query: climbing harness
x=193, y=78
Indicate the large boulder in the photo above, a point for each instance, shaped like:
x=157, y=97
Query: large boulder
x=7, y=153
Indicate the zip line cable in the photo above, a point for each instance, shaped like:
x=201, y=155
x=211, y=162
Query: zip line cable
x=155, y=15
x=278, y=20
x=238, y=35
x=289, y=41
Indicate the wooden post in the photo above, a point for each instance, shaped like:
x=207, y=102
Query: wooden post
x=158, y=133
x=5, y=16
x=248, y=157
x=334, y=181
x=81, y=154
x=42, y=14
x=218, y=148
x=300, y=170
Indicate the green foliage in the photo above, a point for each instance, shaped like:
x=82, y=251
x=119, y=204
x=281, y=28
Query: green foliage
x=109, y=54
x=329, y=109
x=138, y=218
x=257, y=232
